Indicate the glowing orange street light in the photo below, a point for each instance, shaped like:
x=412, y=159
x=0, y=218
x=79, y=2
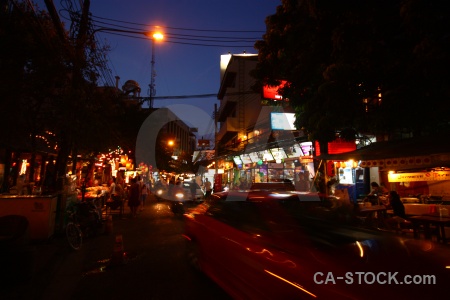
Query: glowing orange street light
x=158, y=36
x=170, y=143
x=155, y=36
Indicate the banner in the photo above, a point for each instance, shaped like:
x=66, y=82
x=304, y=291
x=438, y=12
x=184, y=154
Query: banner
x=419, y=176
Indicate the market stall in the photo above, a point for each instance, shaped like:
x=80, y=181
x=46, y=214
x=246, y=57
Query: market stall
x=40, y=212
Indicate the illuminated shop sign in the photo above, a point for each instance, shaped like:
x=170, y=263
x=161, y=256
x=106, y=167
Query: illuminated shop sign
x=293, y=151
x=266, y=155
x=337, y=146
x=306, y=148
x=419, y=176
x=271, y=92
x=245, y=158
x=282, y=121
x=255, y=157
x=237, y=160
x=278, y=154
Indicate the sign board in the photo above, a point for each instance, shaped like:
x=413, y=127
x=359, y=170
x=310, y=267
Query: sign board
x=282, y=121
x=245, y=158
x=266, y=155
x=271, y=92
x=218, y=183
x=419, y=176
x=237, y=160
x=255, y=157
x=293, y=151
x=278, y=153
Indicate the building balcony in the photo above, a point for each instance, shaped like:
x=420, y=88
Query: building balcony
x=228, y=129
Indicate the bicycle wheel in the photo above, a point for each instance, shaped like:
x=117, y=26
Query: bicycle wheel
x=74, y=236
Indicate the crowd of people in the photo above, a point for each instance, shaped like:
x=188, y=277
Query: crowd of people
x=134, y=194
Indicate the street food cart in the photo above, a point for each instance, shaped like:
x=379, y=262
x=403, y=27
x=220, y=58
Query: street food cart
x=39, y=210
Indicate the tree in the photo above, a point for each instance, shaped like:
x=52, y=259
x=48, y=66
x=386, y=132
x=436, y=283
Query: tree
x=50, y=98
x=360, y=66
x=31, y=78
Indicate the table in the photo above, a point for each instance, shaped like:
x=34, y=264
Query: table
x=373, y=215
x=427, y=220
x=410, y=200
x=371, y=210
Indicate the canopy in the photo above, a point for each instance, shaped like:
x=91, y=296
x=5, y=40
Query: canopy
x=426, y=151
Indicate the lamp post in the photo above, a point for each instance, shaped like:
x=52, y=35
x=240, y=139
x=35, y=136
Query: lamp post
x=155, y=36
x=152, y=92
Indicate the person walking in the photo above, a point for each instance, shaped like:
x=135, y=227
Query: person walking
x=133, y=198
x=208, y=188
x=144, y=194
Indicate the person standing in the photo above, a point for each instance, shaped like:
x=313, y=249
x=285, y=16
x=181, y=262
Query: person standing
x=133, y=197
x=208, y=188
x=144, y=194
x=112, y=187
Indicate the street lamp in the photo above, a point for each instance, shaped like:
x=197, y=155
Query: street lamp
x=155, y=37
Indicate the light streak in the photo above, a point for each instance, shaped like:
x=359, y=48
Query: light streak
x=298, y=286
x=361, y=250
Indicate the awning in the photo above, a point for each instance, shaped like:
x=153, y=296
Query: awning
x=415, y=152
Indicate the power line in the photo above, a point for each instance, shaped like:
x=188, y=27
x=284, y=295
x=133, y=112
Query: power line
x=143, y=99
x=183, y=43
x=180, y=28
x=173, y=34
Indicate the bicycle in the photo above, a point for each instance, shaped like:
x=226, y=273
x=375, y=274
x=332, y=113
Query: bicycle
x=84, y=219
x=74, y=234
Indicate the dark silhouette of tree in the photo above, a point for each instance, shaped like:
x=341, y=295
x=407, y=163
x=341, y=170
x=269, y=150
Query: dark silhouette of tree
x=377, y=67
x=50, y=97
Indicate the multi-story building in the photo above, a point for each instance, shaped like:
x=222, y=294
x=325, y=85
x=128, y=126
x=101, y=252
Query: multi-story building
x=251, y=146
x=179, y=131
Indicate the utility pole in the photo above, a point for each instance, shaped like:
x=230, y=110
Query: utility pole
x=216, y=143
x=56, y=20
x=77, y=56
x=152, y=76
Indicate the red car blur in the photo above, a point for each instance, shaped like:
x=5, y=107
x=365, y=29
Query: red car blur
x=262, y=244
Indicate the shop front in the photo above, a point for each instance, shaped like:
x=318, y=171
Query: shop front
x=288, y=163
x=418, y=169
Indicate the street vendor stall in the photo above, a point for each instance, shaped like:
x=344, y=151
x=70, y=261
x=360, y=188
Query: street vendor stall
x=415, y=167
x=40, y=212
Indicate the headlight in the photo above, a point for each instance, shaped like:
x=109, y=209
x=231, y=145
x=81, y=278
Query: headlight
x=179, y=195
x=159, y=192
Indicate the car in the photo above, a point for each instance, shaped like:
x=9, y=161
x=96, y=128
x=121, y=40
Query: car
x=179, y=196
x=271, y=186
x=160, y=191
x=262, y=244
x=188, y=187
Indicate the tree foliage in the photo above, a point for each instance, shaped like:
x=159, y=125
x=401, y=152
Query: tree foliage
x=50, y=97
x=377, y=66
